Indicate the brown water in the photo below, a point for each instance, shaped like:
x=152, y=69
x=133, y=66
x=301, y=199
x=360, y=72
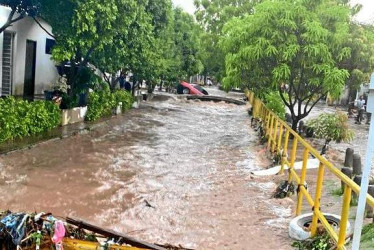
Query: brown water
x=189, y=160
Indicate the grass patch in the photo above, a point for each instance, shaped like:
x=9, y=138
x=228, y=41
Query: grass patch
x=354, y=200
x=320, y=242
x=337, y=192
x=367, y=237
x=333, y=188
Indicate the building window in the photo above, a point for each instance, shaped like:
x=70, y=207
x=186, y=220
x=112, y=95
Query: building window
x=49, y=46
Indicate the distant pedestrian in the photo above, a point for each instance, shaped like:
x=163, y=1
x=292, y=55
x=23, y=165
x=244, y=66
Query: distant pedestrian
x=360, y=104
x=121, y=80
x=128, y=86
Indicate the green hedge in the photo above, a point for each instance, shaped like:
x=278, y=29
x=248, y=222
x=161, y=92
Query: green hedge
x=19, y=118
x=102, y=103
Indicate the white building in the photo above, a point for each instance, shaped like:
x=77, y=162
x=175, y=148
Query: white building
x=26, y=67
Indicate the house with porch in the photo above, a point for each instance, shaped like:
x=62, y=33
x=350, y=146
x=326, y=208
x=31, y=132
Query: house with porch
x=26, y=67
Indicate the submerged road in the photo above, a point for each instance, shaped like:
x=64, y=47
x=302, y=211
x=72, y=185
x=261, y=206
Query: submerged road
x=173, y=171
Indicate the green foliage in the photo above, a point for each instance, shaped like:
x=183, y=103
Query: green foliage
x=148, y=38
x=212, y=15
x=19, y=118
x=125, y=98
x=289, y=43
x=187, y=44
x=361, y=55
x=101, y=103
x=22, y=8
x=331, y=127
x=320, y=242
x=333, y=187
x=367, y=233
x=274, y=102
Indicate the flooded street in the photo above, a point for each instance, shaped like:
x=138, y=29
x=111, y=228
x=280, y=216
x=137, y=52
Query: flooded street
x=172, y=171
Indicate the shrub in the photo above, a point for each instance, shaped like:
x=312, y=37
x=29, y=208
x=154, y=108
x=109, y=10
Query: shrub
x=331, y=127
x=19, y=118
x=101, y=103
x=274, y=102
x=125, y=97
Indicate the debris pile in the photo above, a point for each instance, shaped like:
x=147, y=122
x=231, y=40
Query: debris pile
x=44, y=231
x=21, y=230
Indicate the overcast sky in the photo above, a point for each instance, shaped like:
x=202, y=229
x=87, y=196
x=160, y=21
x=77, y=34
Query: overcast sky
x=366, y=14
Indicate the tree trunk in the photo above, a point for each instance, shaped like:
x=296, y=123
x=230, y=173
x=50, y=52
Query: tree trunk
x=161, y=81
x=295, y=121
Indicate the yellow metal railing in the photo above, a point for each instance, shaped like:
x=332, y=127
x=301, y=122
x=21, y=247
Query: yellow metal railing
x=279, y=135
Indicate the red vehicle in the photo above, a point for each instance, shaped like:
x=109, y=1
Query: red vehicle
x=192, y=89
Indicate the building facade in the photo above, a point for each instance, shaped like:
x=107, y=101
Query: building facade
x=26, y=67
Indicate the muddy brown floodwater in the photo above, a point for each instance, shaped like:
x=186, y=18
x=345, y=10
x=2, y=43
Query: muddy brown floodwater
x=189, y=160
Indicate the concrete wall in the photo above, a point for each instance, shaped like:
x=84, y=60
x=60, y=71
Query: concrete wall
x=27, y=29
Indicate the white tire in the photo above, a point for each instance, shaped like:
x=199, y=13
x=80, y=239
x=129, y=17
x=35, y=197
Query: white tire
x=297, y=228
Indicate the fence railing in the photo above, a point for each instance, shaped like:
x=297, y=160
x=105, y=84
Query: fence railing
x=279, y=136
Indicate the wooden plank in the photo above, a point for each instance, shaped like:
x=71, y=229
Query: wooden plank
x=216, y=99
x=112, y=234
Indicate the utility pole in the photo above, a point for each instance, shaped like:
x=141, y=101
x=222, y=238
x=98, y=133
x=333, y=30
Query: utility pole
x=366, y=172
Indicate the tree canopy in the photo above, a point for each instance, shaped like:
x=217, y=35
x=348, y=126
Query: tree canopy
x=145, y=37
x=295, y=47
x=18, y=10
x=212, y=15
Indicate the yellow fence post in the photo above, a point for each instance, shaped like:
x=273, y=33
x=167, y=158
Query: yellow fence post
x=293, y=157
x=268, y=117
x=274, y=141
x=280, y=139
x=271, y=130
x=254, y=108
x=344, y=216
x=302, y=181
x=317, y=199
x=264, y=113
x=285, y=151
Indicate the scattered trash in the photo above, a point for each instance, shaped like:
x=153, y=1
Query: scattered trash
x=42, y=231
x=312, y=164
x=285, y=189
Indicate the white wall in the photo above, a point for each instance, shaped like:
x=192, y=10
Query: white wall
x=27, y=29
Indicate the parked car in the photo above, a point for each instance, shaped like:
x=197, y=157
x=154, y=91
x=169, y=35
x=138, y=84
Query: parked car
x=191, y=88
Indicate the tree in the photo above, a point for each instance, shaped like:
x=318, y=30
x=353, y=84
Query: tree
x=132, y=35
x=361, y=62
x=331, y=127
x=187, y=42
x=212, y=16
x=89, y=32
x=19, y=10
x=294, y=47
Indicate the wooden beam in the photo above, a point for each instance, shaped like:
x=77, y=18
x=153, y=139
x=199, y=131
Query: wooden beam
x=216, y=99
x=112, y=234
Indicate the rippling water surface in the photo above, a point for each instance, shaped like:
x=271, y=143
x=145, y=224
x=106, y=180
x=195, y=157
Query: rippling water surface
x=188, y=160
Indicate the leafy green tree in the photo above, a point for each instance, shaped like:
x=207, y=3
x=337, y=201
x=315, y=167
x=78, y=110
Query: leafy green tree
x=187, y=41
x=294, y=47
x=212, y=15
x=148, y=38
x=19, y=10
x=88, y=32
x=361, y=62
x=331, y=127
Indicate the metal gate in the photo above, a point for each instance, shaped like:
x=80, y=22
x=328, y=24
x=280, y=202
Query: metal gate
x=7, y=70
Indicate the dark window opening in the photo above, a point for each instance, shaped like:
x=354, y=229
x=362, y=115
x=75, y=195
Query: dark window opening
x=49, y=46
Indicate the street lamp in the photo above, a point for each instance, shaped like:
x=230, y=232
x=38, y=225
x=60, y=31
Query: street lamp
x=366, y=172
